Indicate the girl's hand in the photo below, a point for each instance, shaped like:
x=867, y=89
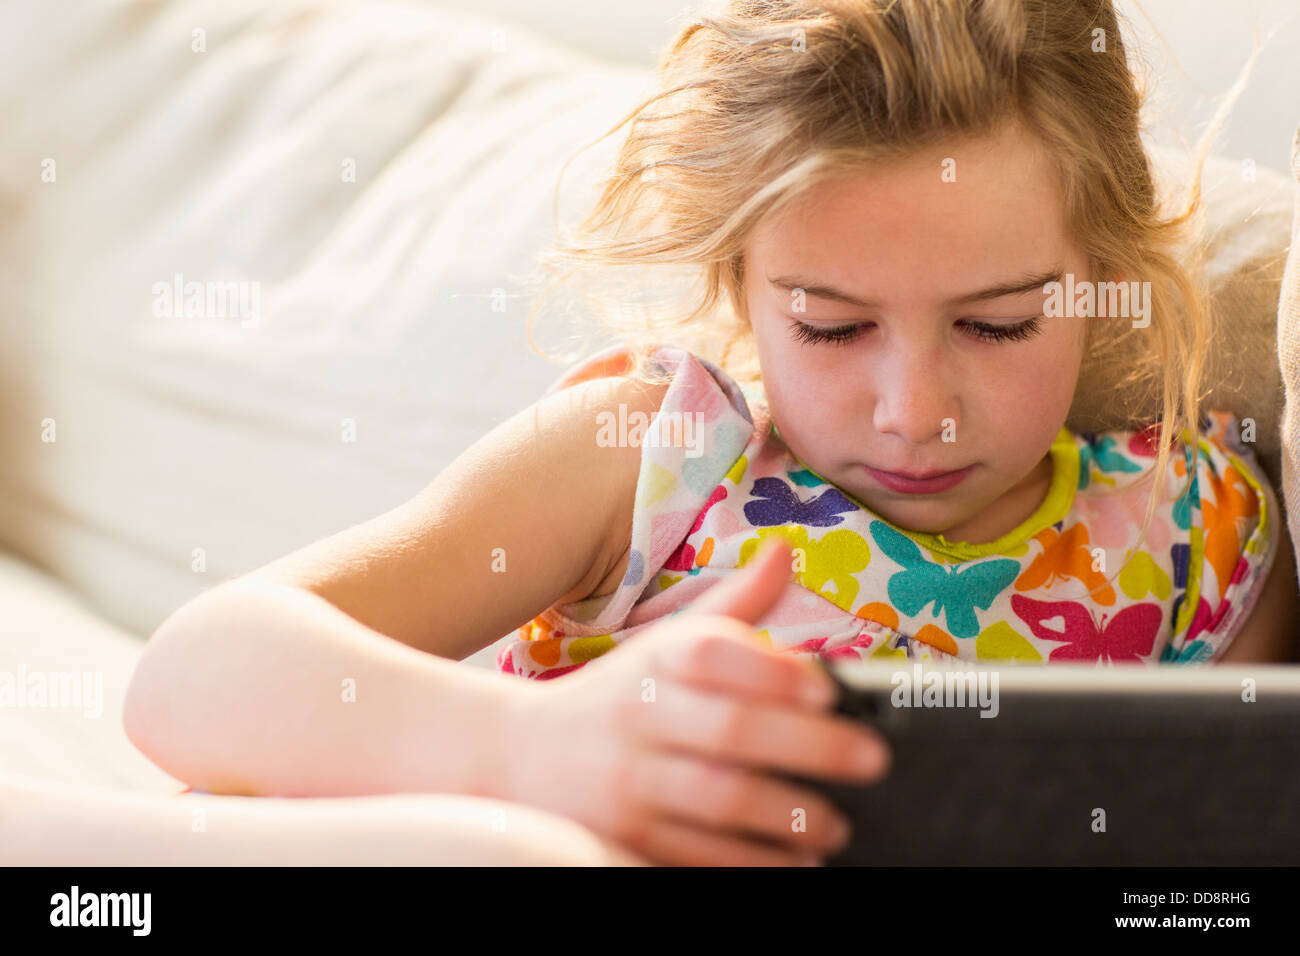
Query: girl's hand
x=666, y=744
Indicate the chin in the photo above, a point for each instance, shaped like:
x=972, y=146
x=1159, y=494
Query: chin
x=927, y=520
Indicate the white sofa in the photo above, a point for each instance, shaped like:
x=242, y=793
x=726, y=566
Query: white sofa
x=213, y=140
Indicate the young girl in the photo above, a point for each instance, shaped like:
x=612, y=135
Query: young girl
x=885, y=201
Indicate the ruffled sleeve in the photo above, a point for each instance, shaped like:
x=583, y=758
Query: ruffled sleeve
x=687, y=448
x=1231, y=516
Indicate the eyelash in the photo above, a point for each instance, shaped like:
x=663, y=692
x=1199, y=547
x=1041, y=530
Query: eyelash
x=844, y=334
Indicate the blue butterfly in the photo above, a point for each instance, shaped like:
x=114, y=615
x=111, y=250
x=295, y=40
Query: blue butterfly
x=1191, y=498
x=1194, y=653
x=955, y=591
x=805, y=478
x=1107, y=458
x=778, y=504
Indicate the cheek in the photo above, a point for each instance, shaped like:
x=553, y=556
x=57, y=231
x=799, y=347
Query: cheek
x=796, y=390
x=1032, y=395
x=1045, y=369
x=810, y=409
x=1037, y=381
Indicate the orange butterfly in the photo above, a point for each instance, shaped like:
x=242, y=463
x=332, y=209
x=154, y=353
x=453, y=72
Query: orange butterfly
x=1066, y=554
x=1226, y=518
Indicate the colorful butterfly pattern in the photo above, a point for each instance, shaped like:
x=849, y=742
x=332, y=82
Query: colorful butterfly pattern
x=1076, y=584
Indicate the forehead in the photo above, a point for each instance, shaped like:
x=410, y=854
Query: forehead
x=903, y=228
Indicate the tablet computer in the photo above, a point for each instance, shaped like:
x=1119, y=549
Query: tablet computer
x=1074, y=765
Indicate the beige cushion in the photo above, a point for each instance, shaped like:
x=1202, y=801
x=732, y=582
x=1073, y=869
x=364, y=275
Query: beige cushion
x=1288, y=350
x=392, y=309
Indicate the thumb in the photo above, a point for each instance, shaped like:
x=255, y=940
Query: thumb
x=747, y=594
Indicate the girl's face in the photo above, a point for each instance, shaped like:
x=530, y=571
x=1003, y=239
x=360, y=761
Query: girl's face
x=937, y=401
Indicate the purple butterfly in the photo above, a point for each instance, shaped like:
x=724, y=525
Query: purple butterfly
x=778, y=504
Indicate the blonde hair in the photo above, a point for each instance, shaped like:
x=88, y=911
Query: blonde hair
x=761, y=100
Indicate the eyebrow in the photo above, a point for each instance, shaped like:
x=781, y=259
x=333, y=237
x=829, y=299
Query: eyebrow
x=1027, y=283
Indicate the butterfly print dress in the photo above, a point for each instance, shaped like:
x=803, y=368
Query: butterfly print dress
x=1072, y=584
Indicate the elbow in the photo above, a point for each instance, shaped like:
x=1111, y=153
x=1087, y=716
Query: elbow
x=152, y=694
x=172, y=680
x=147, y=702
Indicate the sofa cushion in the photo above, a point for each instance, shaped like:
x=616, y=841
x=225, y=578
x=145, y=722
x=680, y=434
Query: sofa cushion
x=374, y=179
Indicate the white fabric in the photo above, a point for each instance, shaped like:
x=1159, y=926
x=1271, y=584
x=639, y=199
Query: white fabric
x=376, y=297
x=46, y=631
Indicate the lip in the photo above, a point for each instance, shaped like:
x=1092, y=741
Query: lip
x=927, y=483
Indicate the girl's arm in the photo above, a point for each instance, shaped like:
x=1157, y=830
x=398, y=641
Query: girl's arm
x=328, y=671
x=45, y=824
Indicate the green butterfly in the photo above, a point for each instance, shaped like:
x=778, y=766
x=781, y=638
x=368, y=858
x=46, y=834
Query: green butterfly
x=955, y=591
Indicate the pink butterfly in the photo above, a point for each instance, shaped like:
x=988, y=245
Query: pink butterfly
x=1129, y=636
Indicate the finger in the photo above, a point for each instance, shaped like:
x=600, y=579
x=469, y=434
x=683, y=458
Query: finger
x=748, y=593
x=720, y=796
x=728, y=659
x=677, y=843
x=762, y=735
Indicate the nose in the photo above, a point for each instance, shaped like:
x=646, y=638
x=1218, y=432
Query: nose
x=916, y=398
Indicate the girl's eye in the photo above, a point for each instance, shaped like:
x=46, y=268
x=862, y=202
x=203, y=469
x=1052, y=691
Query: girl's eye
x=1003, y=333
x=812, y=334
x=983, y=331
